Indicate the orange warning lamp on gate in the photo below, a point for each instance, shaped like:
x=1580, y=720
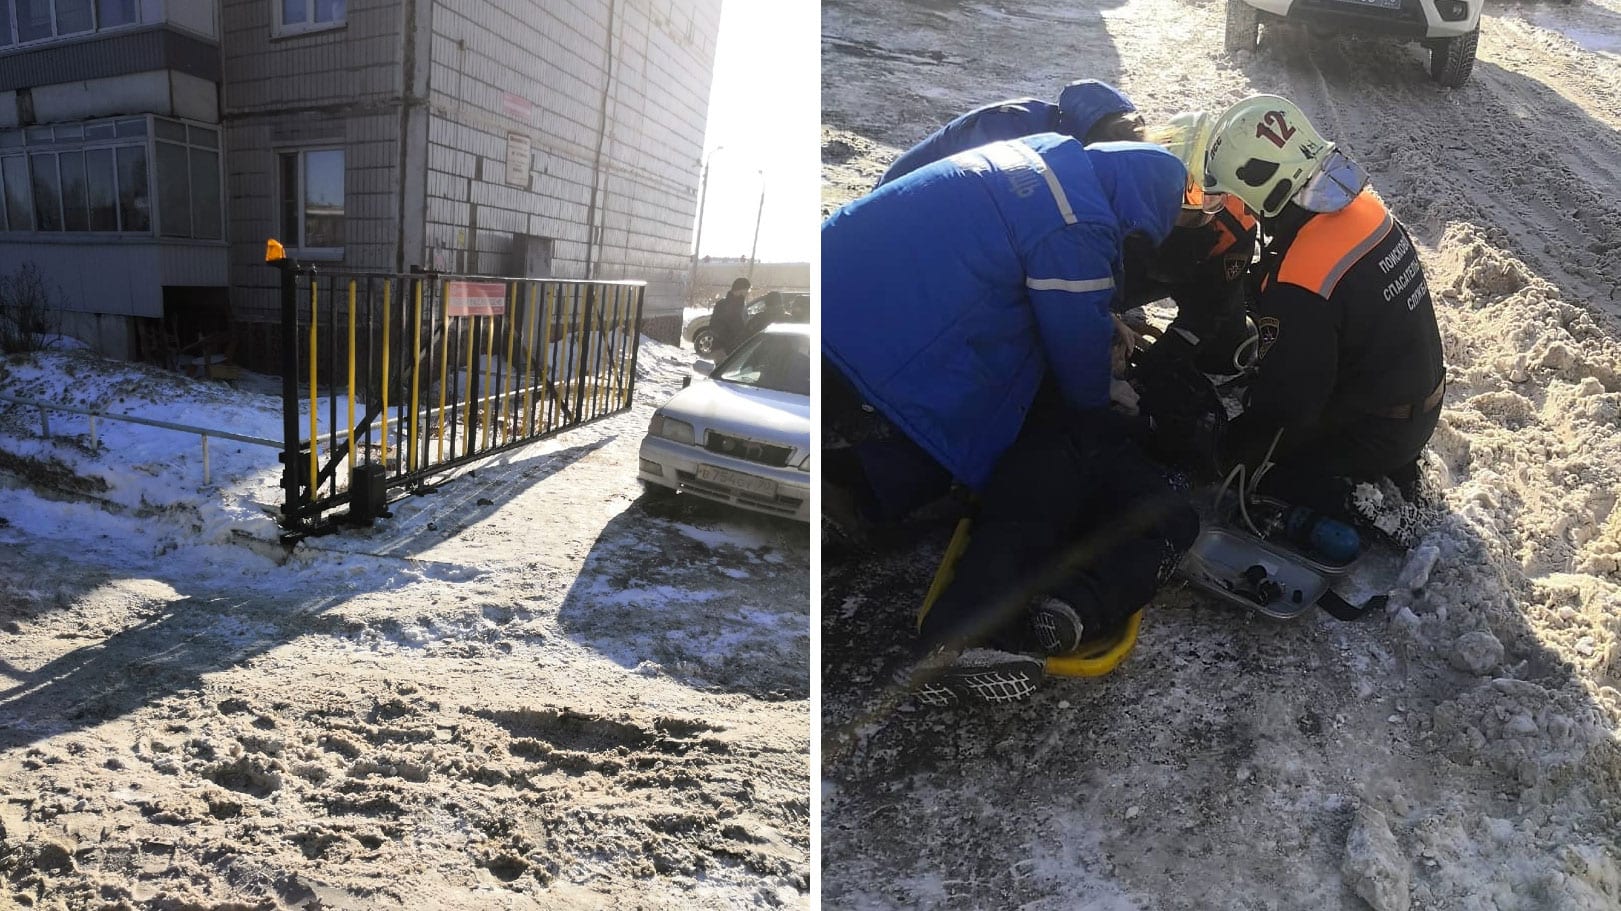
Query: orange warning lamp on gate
x=274, y=253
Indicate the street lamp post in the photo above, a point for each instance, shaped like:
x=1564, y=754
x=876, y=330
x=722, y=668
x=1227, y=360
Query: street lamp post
x=703, y=197
x=758, y=212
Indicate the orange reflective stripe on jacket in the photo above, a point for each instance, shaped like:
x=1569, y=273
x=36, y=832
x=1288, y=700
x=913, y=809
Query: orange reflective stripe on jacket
x=1331, y=243
x=1239, y=214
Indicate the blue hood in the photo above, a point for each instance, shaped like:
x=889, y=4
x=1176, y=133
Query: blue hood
x=1143, y=183
x=1082, y=104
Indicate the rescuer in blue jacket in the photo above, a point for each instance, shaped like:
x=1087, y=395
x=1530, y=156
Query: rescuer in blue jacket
x=1088, y=110
x=949, y=297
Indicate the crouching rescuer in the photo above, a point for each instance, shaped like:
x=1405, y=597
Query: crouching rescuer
x=1350, y=377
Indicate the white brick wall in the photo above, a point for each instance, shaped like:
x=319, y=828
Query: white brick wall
x=551, y=58
x=537, y=67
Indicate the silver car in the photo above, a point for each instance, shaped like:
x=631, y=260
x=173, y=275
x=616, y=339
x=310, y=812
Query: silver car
x=741, y=435
x=795, y=308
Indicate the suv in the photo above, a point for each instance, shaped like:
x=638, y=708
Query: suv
x=795, y=309
x=1449, y=28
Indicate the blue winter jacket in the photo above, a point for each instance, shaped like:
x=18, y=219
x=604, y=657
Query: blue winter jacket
x=1080, y=106
x=948, y=294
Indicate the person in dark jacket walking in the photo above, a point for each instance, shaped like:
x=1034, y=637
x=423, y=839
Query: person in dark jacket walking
x=1351, y=375
x=1088, y=110
x=727, y=320
x=949, y=297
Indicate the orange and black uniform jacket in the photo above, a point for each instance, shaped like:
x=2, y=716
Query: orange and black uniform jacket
x=1346, y=323
x=1196, y=266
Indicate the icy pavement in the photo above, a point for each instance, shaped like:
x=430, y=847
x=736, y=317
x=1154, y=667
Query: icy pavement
x=531, y=689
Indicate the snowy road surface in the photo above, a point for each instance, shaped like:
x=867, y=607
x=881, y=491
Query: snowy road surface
x=531, y=689
x=1459, y=753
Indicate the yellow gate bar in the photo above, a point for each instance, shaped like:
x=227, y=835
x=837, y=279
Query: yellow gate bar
x=529, y=362
x=512, y=335
x=384, y=413
x=416, y=381
x=444, y=359
x=472, y=424
x=489, y=396
x=351, y=375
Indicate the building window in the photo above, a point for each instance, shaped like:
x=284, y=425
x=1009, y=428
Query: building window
x=311, y=200
x=83, y=177
x=309, y=15
x=110, y=13
x=134, y=201
x=47, y=191
x=188, y=174
x=15, y=189
x=38, y=20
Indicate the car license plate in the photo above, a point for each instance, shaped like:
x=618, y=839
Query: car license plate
x=1382, y=4
x=737, y=480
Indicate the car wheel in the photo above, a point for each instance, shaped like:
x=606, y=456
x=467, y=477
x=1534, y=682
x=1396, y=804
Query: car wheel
x=704, y=343
x=1451, y=59
x=1243, y=27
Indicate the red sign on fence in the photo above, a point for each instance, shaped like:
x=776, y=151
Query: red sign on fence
x=476, y=299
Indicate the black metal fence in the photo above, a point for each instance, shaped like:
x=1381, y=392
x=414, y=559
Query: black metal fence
x=389, y=380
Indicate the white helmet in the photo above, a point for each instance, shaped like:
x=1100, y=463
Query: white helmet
x=1263, y=150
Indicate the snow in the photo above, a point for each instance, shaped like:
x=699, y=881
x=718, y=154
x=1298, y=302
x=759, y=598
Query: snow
x=529, y=689
x=1478, y=717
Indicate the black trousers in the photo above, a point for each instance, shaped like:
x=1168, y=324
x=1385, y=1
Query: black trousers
x=1073, y=510
x=1324, y=462
x=863, y=453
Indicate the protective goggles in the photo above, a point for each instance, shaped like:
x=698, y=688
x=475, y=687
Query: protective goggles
x=1197, y=198
x=1332, y=188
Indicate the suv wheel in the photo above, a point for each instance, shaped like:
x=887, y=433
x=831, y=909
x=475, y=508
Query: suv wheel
x=703, y=344
x=1243, y=27
x=1451, y=59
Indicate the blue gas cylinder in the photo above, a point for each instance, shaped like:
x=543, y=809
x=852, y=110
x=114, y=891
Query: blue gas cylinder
x=1329, y=540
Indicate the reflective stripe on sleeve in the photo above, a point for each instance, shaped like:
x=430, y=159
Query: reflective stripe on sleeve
x=1064, y=284
x=1053, y=186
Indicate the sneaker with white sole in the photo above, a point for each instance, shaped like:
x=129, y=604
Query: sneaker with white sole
x=977, y=675
x=1055, y=626
x=993, y=676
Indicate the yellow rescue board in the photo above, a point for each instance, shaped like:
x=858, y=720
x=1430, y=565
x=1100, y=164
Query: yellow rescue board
x=1094, y=659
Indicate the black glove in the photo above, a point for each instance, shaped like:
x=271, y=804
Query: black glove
x=1170, y=354
x=1186, y=414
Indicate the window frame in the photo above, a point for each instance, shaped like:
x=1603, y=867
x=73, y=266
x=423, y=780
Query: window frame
x=279, y=29
x=96, y=28
x=144, y=136
x=296, y=245
x=187, y=145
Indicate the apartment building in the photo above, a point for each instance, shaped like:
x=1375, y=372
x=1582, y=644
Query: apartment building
x=545, y=138
x=111, y=175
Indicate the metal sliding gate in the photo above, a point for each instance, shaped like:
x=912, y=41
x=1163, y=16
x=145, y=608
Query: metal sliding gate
x=388, y=380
